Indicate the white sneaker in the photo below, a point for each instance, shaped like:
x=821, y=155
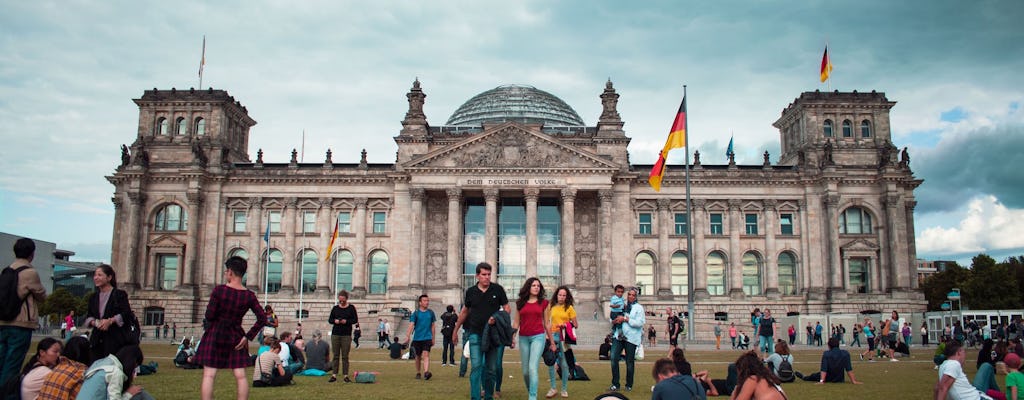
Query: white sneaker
x=551, y=393
x=893, y=360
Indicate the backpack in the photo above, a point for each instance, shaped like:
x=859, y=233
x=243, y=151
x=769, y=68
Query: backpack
x=786, y=373
x=10, y=303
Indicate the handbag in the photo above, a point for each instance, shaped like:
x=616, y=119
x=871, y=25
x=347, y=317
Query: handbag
x=550, y=357
x=269, y=331
x=465, y=350
x=568, y=334
x=265, y=377
x=639, y=355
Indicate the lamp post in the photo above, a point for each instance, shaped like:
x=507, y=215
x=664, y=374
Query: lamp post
x=954, y=295
x=947, y=306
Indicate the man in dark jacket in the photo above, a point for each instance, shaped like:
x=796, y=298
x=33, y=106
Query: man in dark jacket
x=481, y=302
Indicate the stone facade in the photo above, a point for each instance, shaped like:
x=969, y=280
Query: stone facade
x=829, y=228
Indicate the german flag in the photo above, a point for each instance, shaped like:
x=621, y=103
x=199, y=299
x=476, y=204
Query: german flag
x=330, y=246
x=676, y=139
x=826, y=66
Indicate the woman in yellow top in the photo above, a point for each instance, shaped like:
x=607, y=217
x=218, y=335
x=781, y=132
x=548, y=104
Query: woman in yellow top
x=562, y=313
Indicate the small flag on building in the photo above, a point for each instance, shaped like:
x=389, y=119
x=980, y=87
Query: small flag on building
x=826, y=65
x=676, y=139
x=266, y=235
x=728, y=151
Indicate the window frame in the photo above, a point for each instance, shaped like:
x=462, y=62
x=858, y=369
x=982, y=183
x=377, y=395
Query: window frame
x=275, y=226
x=378, y=280
x=305, y=262
x=645, y=227
x=750, y=227
x=645, y=281
x=380, y=227
x=758, y=268
x=344, y=224
x=162, y=271
x=864, y=225
x=786, y=221
x=783, y=278
x=236, y=221
x=680, y=226
x=864, y=274
x=716, y=289
x=162, y=127
x=199, y=125
x=308, y=221
x=162, y=222
x=712, y=224
x=847, y=128
x=181, y=126
x=679, y=266
x=828, y=128
x=865, y=129
x=339, y=273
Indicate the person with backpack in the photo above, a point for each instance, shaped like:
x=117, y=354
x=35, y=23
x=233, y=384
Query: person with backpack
x=22, y=292
x=448, y=320
x=110, y=315
x=781, y=362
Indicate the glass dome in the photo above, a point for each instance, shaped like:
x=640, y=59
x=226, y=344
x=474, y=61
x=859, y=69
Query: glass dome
x=519, y=103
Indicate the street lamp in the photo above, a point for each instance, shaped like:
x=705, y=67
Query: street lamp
x=947, y=306
x=954, y=295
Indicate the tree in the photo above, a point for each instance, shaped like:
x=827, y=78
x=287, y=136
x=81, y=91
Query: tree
x=936, y=287
x=61, y=301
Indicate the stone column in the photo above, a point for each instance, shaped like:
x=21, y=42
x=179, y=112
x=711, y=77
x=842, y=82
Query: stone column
x=491, y=231
x=899, y=274
x=884, y=254
x=700, y=267
x=325, y=272
x=834, y=269
x=909, y=206
x=359, y=265
x=568, y=262
x=846, y=274
x=116, y=252
x=735, y=258
x=874, y=277
x=188, y=265
x=289, y=222
x=133, y=266
x=604, y=229
x=531, y=195
x=416, y=267
x=803, y=264
x=253, y=223
x=454, y=237
x=771, y=261
x=663, y=285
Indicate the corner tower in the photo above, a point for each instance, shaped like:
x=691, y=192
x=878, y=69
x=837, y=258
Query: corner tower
x=842, y=128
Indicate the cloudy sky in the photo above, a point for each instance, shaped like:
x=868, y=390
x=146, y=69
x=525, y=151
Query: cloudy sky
x=340, y=70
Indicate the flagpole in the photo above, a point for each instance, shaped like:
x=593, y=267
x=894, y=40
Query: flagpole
x=302, y=283
x=828, y=81
x=266, y=270
x=202, y=62
x=689, y=234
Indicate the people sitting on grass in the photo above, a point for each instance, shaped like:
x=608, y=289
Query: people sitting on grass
x=396, y=348
x=755, y=381
x=953, y=383
x=318, y=353
x=39, y=366
x=269, y=370
x=781, y=362
x=65, y=381
x=834, y=362
x=111, y=377
x=185, y=358
x=672, y=385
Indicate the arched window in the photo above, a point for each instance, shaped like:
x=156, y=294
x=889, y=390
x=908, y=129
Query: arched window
x=182, y=126
x=171, y=218
x=274, y=271
x=847, y=128
x=378, y=272
x=865, y=129
x=162, y=126
x=645, y=272
x=855, y=221
x=343, y=270
x=200, y=126
x=716, y=273
x=751, y=274
x=308, y=268
x=787, y=273
x=827, y=130
x=680, y=272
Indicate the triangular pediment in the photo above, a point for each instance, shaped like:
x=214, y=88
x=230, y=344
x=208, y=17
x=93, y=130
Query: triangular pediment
x=860, y=245
x=166, y=242
x=511, y=146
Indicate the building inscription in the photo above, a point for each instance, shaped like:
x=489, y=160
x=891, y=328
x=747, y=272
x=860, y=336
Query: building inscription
x=511, y=182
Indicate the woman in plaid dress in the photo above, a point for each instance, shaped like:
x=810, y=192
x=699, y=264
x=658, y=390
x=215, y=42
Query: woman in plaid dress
x=224, y=344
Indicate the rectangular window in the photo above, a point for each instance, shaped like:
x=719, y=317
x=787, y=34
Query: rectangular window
x=859, y=275
x=751, y=223
x=716, y=224
x=167, y=265
x=345, y=222
x=154, y=316
x=308, y=221
x=239, y=219
x=786, y=224
x=379, y=222
x=275, y=221
x=681, y=223
x=645, y=223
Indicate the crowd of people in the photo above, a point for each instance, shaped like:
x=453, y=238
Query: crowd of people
x=100, y=358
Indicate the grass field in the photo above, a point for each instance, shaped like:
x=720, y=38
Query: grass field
x=911, y=378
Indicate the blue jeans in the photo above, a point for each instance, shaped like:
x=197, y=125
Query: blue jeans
x=483, y=370
x=530, y=350
x=617, y=346
x=556, y=338
x=14, y=343
x=767, y=344
x=499, y=369
x=985, y=379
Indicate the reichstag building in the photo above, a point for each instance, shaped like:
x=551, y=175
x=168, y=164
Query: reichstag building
x=516, y=178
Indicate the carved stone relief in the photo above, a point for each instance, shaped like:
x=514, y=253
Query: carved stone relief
x=586, y=239
x=437, y=246
x=512, y=147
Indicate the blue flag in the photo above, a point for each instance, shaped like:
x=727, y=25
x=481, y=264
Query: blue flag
x=728, y=152
x=266, y=235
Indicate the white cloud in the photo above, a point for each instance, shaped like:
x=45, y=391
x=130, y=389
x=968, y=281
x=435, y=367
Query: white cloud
x=988, y=225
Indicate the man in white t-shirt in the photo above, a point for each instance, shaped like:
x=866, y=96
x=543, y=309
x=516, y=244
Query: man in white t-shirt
x=953, y=383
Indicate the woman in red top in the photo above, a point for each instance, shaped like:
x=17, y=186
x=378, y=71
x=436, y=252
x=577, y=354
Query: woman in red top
x=531, y=319
x=224, y=344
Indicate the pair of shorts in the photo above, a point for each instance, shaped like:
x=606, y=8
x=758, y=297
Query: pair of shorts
x=673, y=340
x=420, y=346
x=892, y=342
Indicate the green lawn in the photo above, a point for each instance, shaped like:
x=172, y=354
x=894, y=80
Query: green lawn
x=912, y=378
